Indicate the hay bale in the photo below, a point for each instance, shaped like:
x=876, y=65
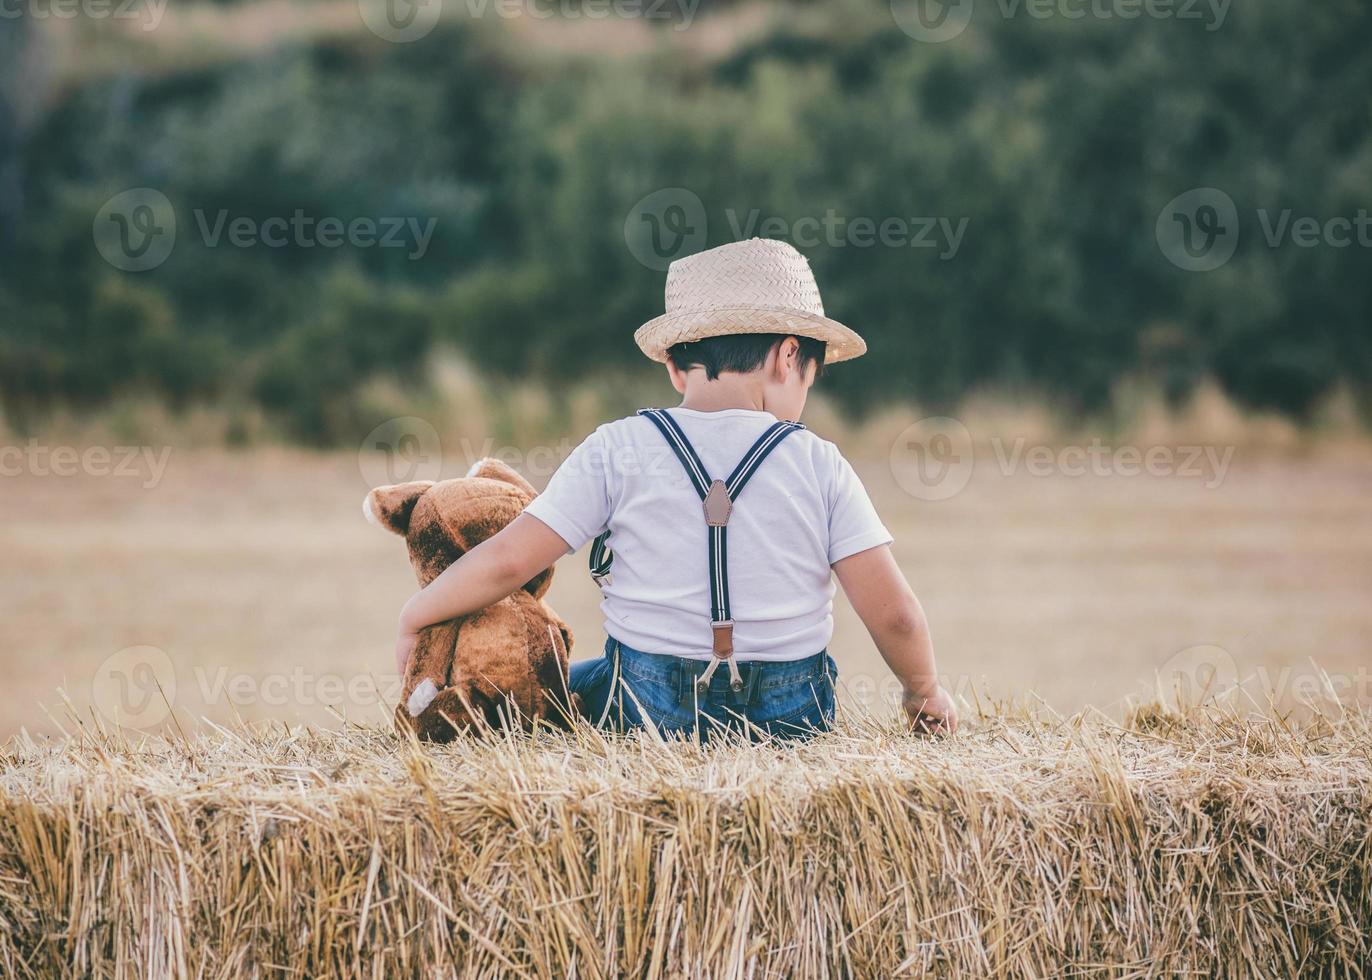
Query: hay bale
x=1204, y=844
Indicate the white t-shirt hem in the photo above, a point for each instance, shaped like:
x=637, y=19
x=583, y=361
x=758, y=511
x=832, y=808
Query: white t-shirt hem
x=776, y=653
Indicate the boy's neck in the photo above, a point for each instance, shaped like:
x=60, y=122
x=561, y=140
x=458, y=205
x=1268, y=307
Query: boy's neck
x=729, y=390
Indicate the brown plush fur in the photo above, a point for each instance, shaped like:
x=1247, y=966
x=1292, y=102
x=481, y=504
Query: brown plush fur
x=503, y=664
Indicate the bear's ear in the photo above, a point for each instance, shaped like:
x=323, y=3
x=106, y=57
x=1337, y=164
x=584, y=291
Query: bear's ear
x=391, y=507
x=494, y=469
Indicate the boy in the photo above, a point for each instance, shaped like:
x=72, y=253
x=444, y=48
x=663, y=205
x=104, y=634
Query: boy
x=718, y=592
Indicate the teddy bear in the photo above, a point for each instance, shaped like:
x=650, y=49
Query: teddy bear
x=502, y=665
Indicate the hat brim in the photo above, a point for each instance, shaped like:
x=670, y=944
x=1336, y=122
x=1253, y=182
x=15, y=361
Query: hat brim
x=660, y=333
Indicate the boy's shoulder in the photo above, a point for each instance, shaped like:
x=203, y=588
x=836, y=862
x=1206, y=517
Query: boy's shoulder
x=636, y=424
x=635, y=430
x=620, y=431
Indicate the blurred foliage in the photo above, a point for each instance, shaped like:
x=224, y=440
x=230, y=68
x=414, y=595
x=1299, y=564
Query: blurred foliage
x=1058, y=140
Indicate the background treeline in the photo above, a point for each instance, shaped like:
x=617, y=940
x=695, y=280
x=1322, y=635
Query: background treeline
x=1059, y=139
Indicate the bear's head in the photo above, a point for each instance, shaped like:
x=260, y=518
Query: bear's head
x=443, y=521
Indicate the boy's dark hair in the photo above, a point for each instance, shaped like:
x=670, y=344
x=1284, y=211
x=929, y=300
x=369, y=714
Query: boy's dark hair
x=741, y=352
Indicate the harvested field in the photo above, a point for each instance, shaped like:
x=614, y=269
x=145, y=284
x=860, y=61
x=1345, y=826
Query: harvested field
x=1212, y=844
x=266, y=595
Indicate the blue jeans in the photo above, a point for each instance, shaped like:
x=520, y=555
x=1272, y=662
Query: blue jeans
x=792, y=699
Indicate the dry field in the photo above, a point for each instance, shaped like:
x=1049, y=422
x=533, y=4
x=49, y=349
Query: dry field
x=249, y=585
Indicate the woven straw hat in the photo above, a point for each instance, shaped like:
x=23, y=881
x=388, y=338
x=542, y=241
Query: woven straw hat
x=757, y=286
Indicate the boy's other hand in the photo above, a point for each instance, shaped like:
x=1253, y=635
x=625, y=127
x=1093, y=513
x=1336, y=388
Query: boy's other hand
x=881, y=597
x=931, y=714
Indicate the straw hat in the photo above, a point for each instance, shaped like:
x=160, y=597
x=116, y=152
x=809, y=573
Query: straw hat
x=757, y=286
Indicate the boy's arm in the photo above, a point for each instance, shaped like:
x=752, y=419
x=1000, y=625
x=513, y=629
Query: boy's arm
x=887, y=606
x=486, y=574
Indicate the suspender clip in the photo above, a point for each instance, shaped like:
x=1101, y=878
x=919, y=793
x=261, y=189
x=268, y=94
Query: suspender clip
x=735, y=680
x=703, y=681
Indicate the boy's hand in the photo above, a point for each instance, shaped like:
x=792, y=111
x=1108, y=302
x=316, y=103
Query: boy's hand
x=932, y=714
x=404, y=648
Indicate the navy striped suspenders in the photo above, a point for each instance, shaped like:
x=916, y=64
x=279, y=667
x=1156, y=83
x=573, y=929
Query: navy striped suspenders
x=717, y=498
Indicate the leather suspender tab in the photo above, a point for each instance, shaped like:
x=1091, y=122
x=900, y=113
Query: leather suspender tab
x=724, y=639
x=718, y=506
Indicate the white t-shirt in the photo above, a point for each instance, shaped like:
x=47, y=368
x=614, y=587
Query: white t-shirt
x=802, y=511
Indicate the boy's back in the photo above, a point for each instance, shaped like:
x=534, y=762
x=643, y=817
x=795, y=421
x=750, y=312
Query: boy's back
x=802, y=511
